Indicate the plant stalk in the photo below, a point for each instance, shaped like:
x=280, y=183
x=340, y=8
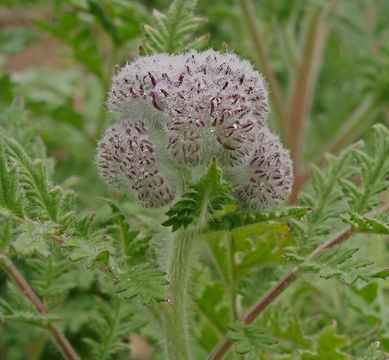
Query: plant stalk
x=264, y=62
x=66, y=348
x=174, y=314
x=232, y=282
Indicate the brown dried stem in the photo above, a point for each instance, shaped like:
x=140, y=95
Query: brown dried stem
x=67, y=349
x=264, y=61
x=223, y=347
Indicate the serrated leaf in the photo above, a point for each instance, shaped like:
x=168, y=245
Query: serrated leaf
x=96, y=249
x=173, y=32
x=206, y=196
x=264, y=249
x=366, y=225
x=250, y=339
x=212, y=304
x=144, y=281
x=374, y=167
x=235, y=219
x=374, y=353
x=35, y=237
x=327, y=346
x=10, y=195
x=17, y=308
x=326, y=201
x=340, y=262
x=134, y=245
x=35, y=178
x=111, y=324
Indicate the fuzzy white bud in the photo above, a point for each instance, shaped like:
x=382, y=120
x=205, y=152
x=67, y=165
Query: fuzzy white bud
x=127, y=160
x=190, y=108
x=266, y=180
x=207, y=96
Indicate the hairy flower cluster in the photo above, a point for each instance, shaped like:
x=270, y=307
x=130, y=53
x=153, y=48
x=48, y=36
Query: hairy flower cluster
x=181, y=111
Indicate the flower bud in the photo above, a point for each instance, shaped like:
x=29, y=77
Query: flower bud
x=127, y=160
x=208, y=96
x=266, y=180
x=177, y=111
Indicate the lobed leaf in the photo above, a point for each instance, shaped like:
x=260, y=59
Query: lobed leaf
x=206, y=196
x=250, y=340
x=173, y=32
x=142, y=280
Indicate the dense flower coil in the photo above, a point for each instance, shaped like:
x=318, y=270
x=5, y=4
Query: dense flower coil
x=190, y=108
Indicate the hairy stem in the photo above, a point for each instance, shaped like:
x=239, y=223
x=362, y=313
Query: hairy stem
x=174, y=315
x=232, y=282
x=264, y=61
x=222, y=348
x=67, y=349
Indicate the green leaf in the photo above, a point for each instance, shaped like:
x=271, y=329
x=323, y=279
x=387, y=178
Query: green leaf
x=250, y=339
x=326, y=201
x=374, y=166
x=327, y=346
x=134, y=246
x=206, y=196
x=16, y=307
x=366, y=225
x=142, y=280
x=293, y=332
x=264, y=248
x=51, y=277
x=6, y=89
x=11, y=196
x=234, y=219
x=112, y=323
x=173, y=32
x=35, y=238
x=35, y=178
x=212, y=305
x=97, y=249
x=373, y=352
x=340, y=262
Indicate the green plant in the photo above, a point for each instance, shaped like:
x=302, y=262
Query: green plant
x=196, y=248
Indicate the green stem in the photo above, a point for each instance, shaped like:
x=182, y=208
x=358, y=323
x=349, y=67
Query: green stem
x=49, y=280
x=34, y=352
x=174, y=316
x=232, y=283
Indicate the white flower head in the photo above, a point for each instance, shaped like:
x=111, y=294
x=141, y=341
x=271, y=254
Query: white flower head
x=193, y=107
x=266, y=180
x=208, y=96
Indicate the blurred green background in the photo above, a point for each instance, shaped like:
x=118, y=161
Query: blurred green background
x=329, y=59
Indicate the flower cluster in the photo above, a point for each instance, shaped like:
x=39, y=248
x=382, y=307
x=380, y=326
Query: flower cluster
x=177, y=111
